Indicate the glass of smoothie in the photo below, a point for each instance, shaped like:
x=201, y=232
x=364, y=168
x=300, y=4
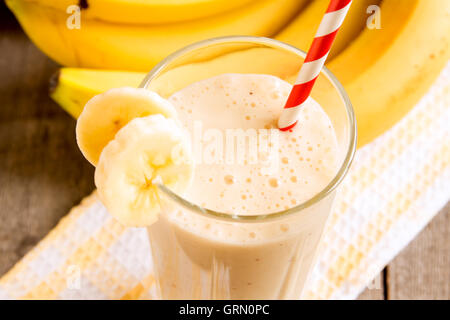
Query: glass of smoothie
x=250, y=225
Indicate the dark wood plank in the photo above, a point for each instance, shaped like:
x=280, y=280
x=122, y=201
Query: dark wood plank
x=422, y=270
x=42, y=173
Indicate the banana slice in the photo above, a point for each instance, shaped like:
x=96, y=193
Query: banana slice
x=146, y=149
x=106, y=113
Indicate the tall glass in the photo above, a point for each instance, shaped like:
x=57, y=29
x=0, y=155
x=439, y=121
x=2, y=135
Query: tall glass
x=200, y=253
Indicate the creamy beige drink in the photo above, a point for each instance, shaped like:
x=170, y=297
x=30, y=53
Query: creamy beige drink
x=200, y=257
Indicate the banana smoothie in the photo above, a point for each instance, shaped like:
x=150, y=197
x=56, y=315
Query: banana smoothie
x=244, y=166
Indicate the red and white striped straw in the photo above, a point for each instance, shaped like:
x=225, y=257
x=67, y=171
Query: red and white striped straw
x=314, y=61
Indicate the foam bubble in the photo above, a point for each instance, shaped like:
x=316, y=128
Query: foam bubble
x=229, y=179
x=273, y=182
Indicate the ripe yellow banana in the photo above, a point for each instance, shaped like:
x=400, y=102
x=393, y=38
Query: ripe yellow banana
x=72, y=88
x=146, y=11
x=386, y=71
x=107, y=45
x=301, y=31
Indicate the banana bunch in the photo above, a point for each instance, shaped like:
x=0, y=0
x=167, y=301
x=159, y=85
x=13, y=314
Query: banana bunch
x=385, y=71
x=301, y=30
x=146, y=11
x=110, y=36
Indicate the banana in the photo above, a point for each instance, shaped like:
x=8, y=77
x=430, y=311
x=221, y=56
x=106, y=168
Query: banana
x=146, y=11
x=108, y=112
x=138, y=47
x=301, y=31
x=254, y=60
x=72, y=88
x=385, y=72
x=144, y=151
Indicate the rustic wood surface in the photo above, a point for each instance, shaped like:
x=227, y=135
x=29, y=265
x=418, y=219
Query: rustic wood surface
x=422, y=269
x=42, y=175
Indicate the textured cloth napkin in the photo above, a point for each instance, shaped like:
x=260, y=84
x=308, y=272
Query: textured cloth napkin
x=394, y=188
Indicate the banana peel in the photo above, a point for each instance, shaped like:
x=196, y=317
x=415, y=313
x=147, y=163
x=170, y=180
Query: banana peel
x=300, y=32
x=385, y=72
x=138, y=47
x=72, y=88
x=146, y=11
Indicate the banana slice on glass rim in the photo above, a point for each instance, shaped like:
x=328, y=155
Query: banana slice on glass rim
x=135, y=141
x=145, y=150
x=107, y=112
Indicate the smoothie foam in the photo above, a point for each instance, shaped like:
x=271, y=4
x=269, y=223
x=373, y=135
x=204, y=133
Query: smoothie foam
x=306, y=157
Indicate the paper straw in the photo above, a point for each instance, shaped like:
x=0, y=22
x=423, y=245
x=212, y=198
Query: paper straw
x=314, y=61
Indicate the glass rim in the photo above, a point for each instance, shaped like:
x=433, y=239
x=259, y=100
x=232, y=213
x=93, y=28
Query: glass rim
x=330, y=187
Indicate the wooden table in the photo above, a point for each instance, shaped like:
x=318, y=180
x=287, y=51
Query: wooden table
x=42, y=175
